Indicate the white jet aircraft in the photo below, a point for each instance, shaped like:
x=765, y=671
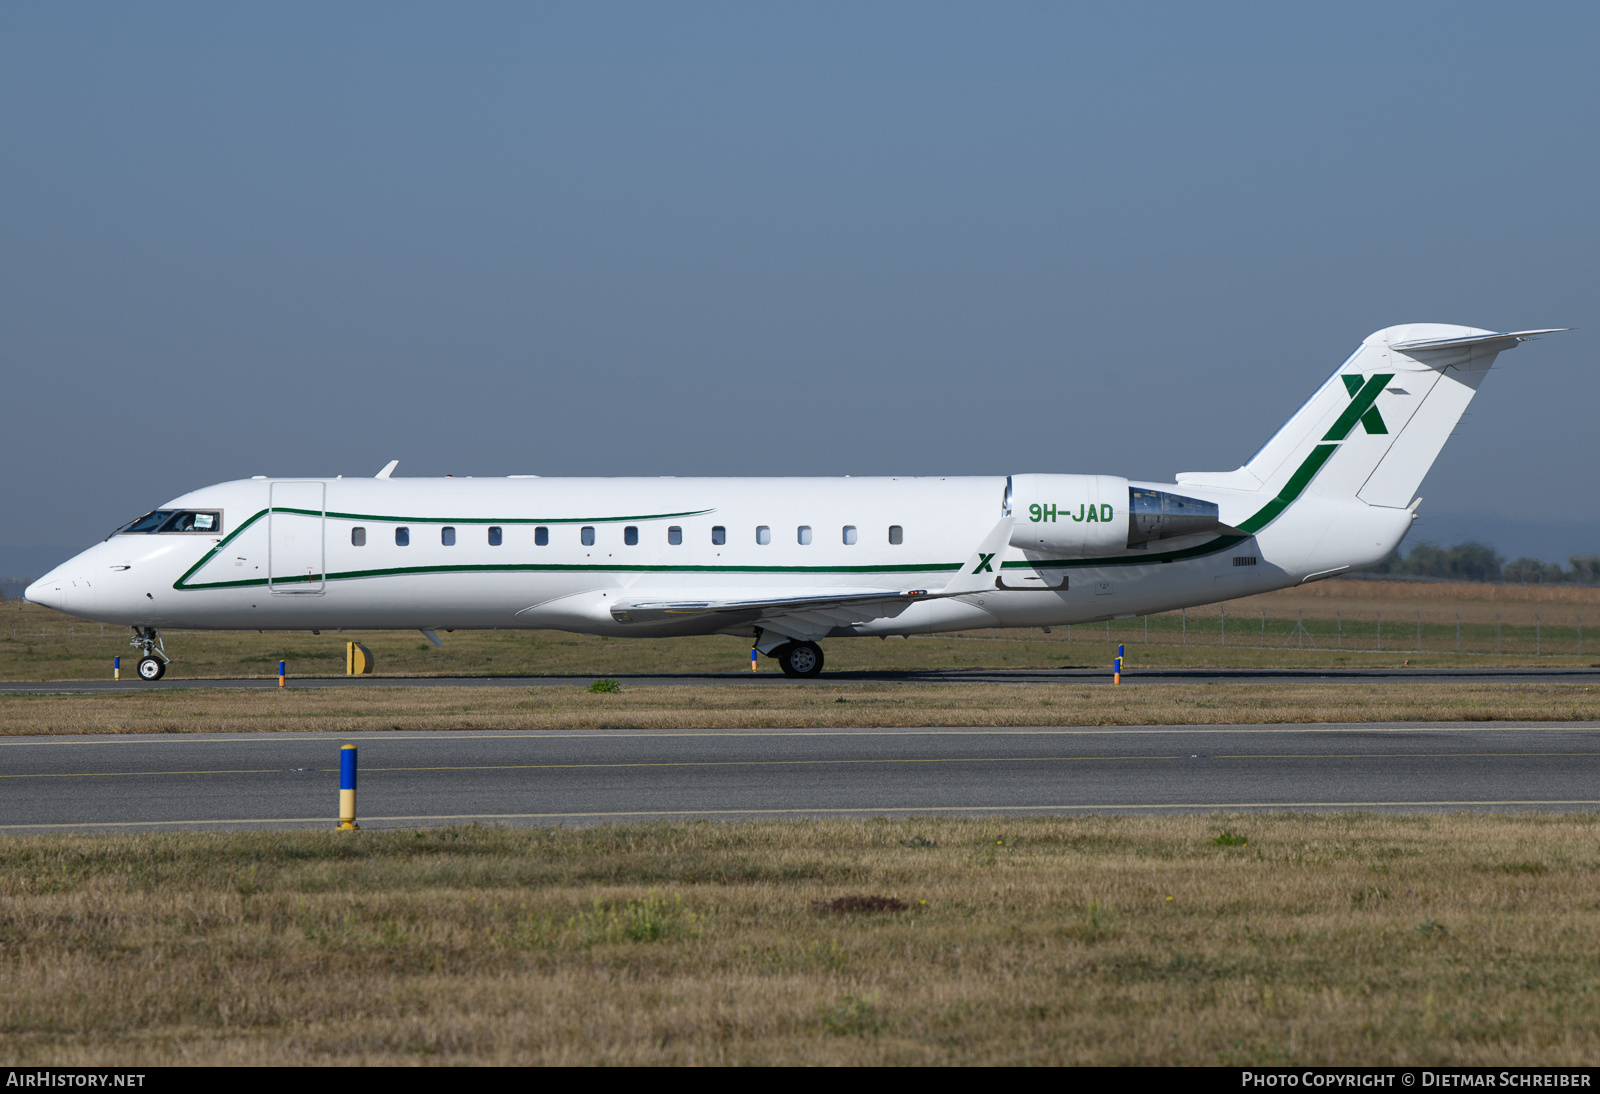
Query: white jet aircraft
x=791, y=561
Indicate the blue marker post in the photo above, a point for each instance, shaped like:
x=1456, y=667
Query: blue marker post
x=347, y=789
x=282, y=673
x=116, y=668
x=1116, y=673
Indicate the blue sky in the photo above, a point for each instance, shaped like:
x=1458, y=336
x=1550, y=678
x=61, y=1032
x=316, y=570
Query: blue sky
x=779, y=239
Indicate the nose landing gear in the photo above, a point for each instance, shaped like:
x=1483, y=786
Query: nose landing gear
x=153, y=659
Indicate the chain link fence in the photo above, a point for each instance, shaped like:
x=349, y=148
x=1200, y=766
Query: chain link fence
x=1552, y=634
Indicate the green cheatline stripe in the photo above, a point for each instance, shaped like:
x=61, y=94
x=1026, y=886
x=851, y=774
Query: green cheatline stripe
x=1260, y=519
x=1221, y=543
x=1210, y=547
x=582, y=568
x=211, y=554
x=477, y=520
x=231, y=536
x=1291, y=489
x=1358, y=406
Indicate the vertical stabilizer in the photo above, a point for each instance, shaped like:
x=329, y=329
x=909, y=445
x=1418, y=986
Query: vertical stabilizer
x=1375, y=427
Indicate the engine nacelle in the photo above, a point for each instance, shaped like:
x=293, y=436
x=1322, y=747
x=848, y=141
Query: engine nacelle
x=1087, y=515
x=1156, y=514
x=1072, y=515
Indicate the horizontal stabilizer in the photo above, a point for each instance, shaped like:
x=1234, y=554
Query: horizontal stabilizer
x=1472, y=340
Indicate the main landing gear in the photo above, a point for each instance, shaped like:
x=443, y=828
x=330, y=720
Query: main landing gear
x=153, y=662
x=801, y=659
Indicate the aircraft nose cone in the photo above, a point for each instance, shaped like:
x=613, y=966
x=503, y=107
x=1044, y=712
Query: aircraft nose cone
x=50, y=591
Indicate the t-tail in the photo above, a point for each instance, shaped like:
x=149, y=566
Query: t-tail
x=1373, y=430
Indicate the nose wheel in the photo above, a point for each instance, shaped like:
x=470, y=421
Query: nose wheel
x=153, y=655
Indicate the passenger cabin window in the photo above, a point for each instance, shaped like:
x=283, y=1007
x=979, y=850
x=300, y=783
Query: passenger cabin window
x=358, y=537
x=896, y=534
x=763, y=534
x=849, y=534
x=541, y=536
x=447, y=536
x=803, y=534
x=494, y=535
x=587, y=536
x=402, y=537
x=675, y=535
x=630, y=536
x=719, y=535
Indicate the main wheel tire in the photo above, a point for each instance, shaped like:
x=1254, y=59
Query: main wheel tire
x=781, y=655
x=800, y=659
x=152, y=668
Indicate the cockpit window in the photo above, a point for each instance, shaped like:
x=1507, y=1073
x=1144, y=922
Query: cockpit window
x=169, y=520
x=187, y=521
x=147, y=523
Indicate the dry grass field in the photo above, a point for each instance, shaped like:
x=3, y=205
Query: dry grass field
x=343, y=710
x=1353, y=939
x=1476, y=602
x=1328, y=624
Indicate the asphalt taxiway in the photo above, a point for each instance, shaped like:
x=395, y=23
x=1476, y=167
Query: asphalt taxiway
x=412, y=779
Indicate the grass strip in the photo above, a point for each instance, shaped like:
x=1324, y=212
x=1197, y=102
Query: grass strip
x=1260, y=939
x=775, y=705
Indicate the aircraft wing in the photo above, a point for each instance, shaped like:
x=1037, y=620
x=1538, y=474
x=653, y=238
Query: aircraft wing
x=867, y=604
x=813, y=613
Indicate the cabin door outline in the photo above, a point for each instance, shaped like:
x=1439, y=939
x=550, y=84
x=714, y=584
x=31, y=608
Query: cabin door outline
x=297, y=553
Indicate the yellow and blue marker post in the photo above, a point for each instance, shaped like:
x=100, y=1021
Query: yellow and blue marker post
x=282, y=673
x=347, y=789
x=116, y=668
x=752, y=659
x=1116, y=672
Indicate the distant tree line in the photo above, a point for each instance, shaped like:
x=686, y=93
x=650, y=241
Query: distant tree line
x=1473, y=561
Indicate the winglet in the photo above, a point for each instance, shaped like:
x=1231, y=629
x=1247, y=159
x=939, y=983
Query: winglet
x=388, y=469
x=978, y=572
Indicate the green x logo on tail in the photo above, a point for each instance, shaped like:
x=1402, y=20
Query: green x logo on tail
x=1362, y=396
x=983, y=562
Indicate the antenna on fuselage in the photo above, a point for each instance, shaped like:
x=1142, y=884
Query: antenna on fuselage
x=388, y=469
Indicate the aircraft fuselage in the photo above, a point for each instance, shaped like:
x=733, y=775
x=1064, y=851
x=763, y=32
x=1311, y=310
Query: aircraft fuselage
x=477, y=553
